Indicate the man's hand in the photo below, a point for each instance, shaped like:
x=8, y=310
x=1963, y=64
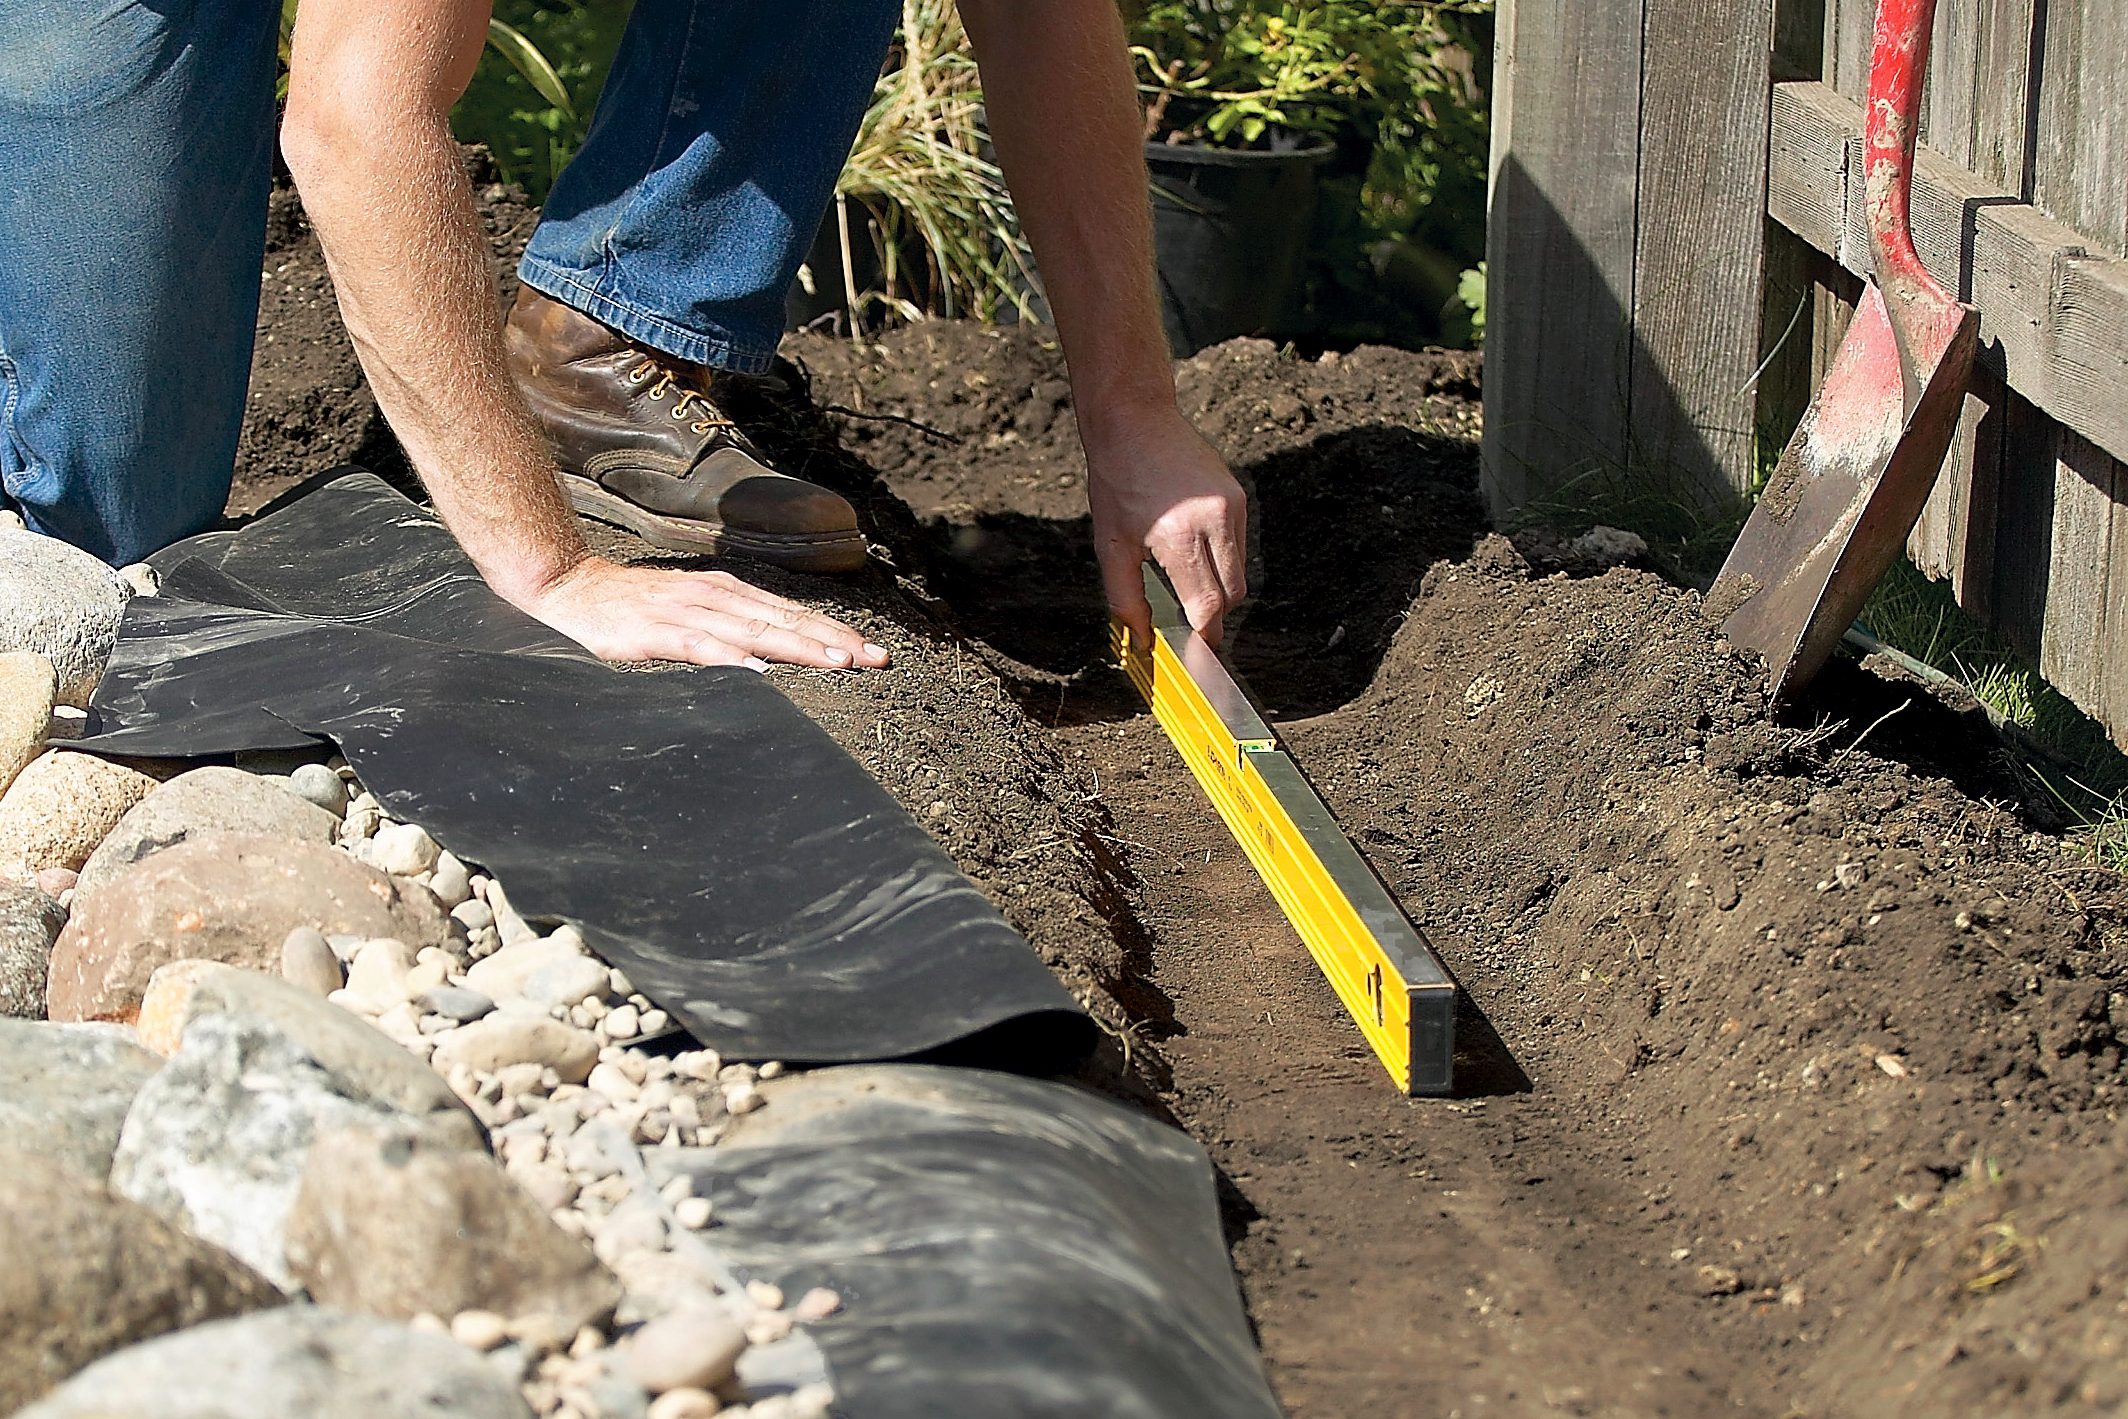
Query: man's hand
x=703, y=618
x=1155, y=486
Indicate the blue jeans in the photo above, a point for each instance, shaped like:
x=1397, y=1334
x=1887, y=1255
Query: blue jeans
x=136, y=141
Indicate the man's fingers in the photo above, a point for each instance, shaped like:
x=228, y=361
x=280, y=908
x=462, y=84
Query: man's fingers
x=1198, y=587
x=731, y=597
x=1123, y=581
x=1227, y=546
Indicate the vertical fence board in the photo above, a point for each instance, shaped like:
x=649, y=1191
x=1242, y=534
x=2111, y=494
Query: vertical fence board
x=2072, y=650
x=2081, y=155
x=2024, y=528
x=2107, y=702
x=1701, y=253
x=1951, y=93
x=1560, y=242
x=1849, y=24
x=2002, y=79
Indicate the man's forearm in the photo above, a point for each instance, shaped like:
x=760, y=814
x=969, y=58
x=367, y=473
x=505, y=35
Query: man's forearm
x=1063, y=112
x=384, y=186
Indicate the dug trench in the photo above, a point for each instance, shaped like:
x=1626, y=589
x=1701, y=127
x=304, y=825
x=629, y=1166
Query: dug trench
x=1790, y=1073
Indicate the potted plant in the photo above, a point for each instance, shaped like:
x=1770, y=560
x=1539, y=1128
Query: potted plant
x=1245, y=100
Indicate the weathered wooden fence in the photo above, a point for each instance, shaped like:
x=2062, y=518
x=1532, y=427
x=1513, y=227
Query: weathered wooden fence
x=1677, y=241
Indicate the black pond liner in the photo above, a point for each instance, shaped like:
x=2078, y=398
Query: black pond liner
x=704, y=835
x=1005, y=1248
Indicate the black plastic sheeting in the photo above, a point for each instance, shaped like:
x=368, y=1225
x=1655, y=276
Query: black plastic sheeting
x=703, y=834
x=1005, y=1248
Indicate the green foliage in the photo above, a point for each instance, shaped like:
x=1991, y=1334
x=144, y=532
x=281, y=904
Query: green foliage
x=1468, y=306
x=1396, y=86
x=921, y=193
x=530, y=101
x=1258, y=73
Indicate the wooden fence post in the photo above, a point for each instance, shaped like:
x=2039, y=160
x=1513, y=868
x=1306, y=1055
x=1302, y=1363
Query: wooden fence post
x=1626, y=245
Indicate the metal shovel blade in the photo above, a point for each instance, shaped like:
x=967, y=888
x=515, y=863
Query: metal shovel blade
x=1852, y=482
x=1848, y=490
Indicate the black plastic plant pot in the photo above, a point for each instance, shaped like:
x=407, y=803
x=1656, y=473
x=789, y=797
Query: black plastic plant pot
x=1230, y=232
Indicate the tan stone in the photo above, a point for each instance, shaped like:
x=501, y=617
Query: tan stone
x=391, y=1223
x=28, y=689
x=232, y=899
x=89, y=1272
x=60, y=808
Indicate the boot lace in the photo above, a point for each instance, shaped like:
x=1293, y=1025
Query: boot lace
x=688, y=403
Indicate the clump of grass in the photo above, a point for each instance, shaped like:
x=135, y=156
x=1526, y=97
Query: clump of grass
x=921, y=173
x=2076, y=763
x=1687, y=532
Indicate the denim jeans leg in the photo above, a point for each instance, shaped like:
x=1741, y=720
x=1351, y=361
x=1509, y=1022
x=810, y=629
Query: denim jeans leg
x=710, y=163
x=136, y=144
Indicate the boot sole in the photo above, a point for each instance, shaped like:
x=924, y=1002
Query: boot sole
x=800, y=551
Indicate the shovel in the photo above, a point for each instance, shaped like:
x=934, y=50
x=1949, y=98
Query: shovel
x=1853, y=480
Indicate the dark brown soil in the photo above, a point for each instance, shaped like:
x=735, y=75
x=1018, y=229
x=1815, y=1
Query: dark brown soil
x=1791, y=1079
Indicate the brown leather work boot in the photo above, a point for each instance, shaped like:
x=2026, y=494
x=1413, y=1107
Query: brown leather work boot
x=641, y=445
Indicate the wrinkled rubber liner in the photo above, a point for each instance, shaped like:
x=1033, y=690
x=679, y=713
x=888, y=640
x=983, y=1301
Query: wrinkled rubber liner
x=704, y=835
x=1005, y=1248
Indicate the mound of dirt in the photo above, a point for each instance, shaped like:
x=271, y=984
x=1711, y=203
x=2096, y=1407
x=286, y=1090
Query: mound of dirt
x=1818, y=1007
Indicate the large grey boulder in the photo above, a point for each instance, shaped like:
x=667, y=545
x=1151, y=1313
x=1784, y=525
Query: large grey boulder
x=65, y=1089
x=61, y=807
x=388, y=1222
x=30, y=922
x=61, y=603
x=88, y=1273
x=305, y=1361
x=361, y=1056
x=228, y=898
x=28, y=690
x=218, y=1139
x=217, y=799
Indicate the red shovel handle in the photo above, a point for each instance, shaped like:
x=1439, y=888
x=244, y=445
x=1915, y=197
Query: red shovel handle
x=1896, y=66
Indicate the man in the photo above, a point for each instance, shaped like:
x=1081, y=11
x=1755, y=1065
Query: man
x=135, y=141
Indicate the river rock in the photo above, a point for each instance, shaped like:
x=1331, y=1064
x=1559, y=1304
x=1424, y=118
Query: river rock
x=222, y=898
x=210, y=800
x=376, y=973
x=28, y=690
x=450, y=881
x=500, y=1040
x=506, y=973
x=63, y=805
x=217, y=1139
x=88, y=1273
x=357, y=1054
x=65, y=1089
x=692, y=1347
x=294, y=1360
x=30, y=922
x=321, y=786
x=309, y=962
x=61, y=603
x=403, y=849
x=387, y=1222
x=566, y=982
x=455, y=1002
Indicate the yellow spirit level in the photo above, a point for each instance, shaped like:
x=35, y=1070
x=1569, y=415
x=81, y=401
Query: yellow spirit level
x=1397, y=990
